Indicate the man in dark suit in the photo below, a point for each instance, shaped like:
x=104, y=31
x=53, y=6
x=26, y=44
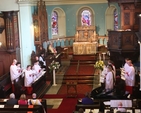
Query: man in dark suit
x=12, y=100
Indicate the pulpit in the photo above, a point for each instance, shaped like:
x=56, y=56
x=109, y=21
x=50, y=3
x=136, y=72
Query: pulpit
x=123, y=44
x=85, y=40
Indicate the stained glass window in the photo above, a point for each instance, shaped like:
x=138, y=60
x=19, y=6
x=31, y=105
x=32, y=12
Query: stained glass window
x=54, y=23
x=86, y=18
x=115, y=20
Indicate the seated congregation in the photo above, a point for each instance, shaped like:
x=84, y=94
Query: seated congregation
x=23, y=104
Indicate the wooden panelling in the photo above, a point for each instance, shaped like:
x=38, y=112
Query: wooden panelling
x=1, y=68
x=6, y=60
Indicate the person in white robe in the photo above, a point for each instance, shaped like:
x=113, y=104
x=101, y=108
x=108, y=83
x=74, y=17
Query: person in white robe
x=28, y=80
x=113, y=68
x=126, y=66
x=19, y=69
x=36, y=69
x=14, y=73
x=109, y=81
x=130, y=77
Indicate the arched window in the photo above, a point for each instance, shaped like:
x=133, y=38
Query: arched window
x=58, y=18
x=115, y=20
x=54, y=23
x=111, y=17
x=86, y=18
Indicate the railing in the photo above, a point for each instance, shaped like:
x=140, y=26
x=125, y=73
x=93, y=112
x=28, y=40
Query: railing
x=68, y=41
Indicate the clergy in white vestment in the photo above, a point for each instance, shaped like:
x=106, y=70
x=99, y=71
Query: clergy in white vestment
x=109, y=82
x=14, y=73
x=28, y=80
x=103, y=75
x=19, y=69
x=126, y=66
x=36, y=68
x=113, y=68
x=130, y=77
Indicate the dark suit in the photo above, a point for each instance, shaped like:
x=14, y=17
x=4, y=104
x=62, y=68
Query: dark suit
x=12, y=101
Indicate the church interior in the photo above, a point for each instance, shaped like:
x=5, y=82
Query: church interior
x=75, y=42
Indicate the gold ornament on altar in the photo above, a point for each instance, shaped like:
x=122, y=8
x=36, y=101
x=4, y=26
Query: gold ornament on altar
x=99, y=65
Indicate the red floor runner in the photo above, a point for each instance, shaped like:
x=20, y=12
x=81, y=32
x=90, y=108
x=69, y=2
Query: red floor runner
x=86, y=70
x=81, y=89
x=84, y=57
x=71, y=70
x=68, y=104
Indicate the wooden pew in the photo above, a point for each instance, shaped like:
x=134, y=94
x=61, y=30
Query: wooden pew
x=23, y=108
x=5, y=85
x=79, y=105
x=43, y=102
x=97, y=106
x=39, y=85
x=19, y=86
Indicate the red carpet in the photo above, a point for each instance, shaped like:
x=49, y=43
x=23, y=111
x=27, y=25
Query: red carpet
x=81, y=89
x=84, y=57
x=71, y=70
x=84, y=76
x=67, y=105
x=86, y=70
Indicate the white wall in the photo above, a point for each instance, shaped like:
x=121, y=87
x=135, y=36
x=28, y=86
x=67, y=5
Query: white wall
x=8, y=5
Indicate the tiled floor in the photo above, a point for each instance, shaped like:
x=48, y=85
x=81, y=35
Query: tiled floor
x=54, y=102
x=55, y=89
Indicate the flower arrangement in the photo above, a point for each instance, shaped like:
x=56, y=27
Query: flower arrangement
x=99, y=65
x=54, y=65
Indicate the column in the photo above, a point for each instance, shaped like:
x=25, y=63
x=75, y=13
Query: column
x=26, y=33
x=12, y=30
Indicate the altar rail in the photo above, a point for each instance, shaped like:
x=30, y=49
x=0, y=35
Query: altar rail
x=68, y=41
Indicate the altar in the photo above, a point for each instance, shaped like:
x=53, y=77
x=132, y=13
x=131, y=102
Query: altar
x=85, y=40
x=84, y=48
